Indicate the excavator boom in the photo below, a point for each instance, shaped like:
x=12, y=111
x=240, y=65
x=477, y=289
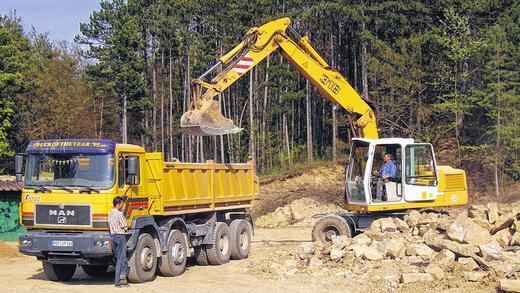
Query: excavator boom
x=205, y=117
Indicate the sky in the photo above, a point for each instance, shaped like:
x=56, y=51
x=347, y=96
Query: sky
x=59, y=18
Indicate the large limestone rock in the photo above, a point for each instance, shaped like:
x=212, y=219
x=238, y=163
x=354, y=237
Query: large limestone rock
x=361, y=239
x=359, y=249
x=435, y=271
x=478, y=212
x=412, y=218
x=491, y=250
x=416, y=277
x=401, y=225
x=516, y=226
x=475, y=276
x=464, y=230
x=388, y=225
x=510, y=285
x=340, y=242
x=373, y=254
x=467, y=263
x=503, y=237
x=515, y=240
x=443, y=258
x=424, y=251
x=336, y=254
x=492, y=212
x=395, y=248
x=305, y=250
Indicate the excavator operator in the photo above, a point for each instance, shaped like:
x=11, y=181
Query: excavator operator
x=387, y=172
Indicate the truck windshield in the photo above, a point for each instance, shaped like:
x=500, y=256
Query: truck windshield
x=70, y=170
x=356, y=172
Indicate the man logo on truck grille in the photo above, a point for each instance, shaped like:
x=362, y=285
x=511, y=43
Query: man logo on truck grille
x=62, y=220
x=61, y=213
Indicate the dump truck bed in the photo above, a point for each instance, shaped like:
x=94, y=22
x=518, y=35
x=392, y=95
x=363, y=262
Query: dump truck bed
x=200, y=187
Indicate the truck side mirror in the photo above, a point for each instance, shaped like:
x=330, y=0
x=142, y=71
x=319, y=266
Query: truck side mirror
x=18, y=166
x=132, y=169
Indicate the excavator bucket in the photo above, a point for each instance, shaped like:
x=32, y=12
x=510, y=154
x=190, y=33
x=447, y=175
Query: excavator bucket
x=207, y=119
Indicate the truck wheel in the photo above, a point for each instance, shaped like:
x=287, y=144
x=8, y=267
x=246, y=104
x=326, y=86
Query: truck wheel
x=240, y=239
x=329, y=226
x=143, y=262
x=200, y=256
x=95, y=271
x=173, y=262
x=57, y=273
x=219, y=250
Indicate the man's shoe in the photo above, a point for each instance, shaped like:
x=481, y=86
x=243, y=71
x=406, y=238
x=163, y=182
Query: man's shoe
x=124, y=282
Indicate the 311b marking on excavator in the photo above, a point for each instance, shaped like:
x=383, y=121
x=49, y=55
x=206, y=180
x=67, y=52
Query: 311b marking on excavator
x=330, y=84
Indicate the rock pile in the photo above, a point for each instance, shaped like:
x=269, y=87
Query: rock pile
x=483, y=243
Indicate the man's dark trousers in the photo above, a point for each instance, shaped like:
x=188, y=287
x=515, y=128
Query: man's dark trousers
x=119, y=247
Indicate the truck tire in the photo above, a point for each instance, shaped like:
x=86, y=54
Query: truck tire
x=200, y=255
x=143, y=262
x=173, y=262
x=56, y=273
x=95, y=271
x=241, y=237
x=219, y=251
x=329, y=226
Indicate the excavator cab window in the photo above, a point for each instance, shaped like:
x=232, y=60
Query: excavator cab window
x=355, y=187
x=392, y=190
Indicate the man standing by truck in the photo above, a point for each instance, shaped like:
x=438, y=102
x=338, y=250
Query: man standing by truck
x=118, y=227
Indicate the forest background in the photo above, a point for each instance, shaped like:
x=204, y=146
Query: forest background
x=445, y=72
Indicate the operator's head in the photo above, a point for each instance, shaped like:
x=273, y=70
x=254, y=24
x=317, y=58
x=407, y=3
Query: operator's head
x=118, y=202
x=388, y=157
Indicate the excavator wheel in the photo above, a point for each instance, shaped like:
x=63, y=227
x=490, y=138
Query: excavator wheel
x=329, y=226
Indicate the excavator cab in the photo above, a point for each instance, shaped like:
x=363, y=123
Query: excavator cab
x=417, y=182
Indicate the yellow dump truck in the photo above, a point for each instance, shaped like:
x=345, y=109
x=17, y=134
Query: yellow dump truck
x=174, y=210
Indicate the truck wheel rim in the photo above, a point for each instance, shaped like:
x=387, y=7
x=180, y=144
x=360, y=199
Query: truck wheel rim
x=330, y=231
x=177, y=253
x=223, y=244
x=146, y=258
x=244, y=239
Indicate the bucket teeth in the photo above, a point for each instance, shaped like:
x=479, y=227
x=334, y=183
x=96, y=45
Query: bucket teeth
x=207, y=119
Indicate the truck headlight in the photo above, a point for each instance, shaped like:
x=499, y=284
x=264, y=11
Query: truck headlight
x=25, y=243
x=102, y=244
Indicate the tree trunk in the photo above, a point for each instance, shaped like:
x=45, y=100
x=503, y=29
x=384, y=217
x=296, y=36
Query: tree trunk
x=334, y=134
x=364, y=67
x=171, y=108
x=309, y=122
x=124, y=130
x=252, y=145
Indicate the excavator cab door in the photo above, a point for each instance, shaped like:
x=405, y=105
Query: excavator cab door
x=420, y=173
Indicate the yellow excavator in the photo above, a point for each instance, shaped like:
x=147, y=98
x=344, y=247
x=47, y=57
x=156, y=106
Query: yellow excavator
x=416, y=182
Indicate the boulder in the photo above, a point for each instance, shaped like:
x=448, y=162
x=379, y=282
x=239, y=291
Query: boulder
x=401, y=225
x=416, y=277
x=515, y=240
x=492, y=212
x=491, y=250
x=464, y=230
x=443, y=258
x=362, y=239
x=475, y=276
x=340, y=242
x=336, y=254
x=359, y=249
x=395, y=248
x=315, y=264
x=372, y=254
x=510, y=285
x=412, y=218
x=467, y=263
x=516, y=226
x=444, y=223
x=478, y=212
x=415, y=260
x=435, y=271
x=388, y=225
x=305, y=250
x=503, y=237
x=424, y=251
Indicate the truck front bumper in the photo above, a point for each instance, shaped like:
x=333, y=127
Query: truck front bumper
x=71, y=247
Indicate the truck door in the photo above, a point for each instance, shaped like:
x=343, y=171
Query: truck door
x=420, y=176
x=131, y=186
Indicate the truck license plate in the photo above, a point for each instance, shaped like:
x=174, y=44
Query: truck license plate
x=61, y=243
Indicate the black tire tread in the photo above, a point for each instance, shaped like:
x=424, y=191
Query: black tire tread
x=235, y=229
x=133, y=274
x=212, y=249
x=58, y=273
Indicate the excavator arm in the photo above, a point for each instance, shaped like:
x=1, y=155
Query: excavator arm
x=205, y=118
